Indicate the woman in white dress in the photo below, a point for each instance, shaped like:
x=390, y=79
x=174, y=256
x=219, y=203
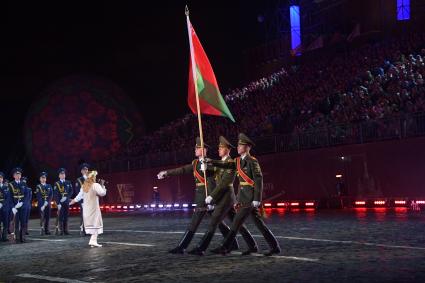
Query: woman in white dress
x=92, y=217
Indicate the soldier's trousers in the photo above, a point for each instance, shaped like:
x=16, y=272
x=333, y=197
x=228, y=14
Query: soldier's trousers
x=242, y=214
x=45, y=218
x=4, y=221
x=63, y=216
x=27, y=216
x=20, y=222
x=197, y=217
x=219, y=214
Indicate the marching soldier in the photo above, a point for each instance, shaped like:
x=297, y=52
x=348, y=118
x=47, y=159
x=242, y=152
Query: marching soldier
x=44, y=194
x=5, y=204
x=249, y=196
x=196, y=168
x=63, y=192
x=28, y=204
x=84, y=169
x=20, y=197
x=223, y=198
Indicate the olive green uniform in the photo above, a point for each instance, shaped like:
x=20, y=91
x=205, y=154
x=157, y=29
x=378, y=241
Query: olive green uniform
x=223, y=199
x=250, y=189
x=201, y=207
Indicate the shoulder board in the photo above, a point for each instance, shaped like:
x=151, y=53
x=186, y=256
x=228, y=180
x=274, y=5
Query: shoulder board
x=252, y=157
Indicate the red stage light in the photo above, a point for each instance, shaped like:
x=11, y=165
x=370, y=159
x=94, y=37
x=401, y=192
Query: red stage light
x=360, y=203
x=281, y=204
x=268, y=204
x=295, y=203
x=400, y=202
x=420, y=201
x=379, y=202
x=309, y=204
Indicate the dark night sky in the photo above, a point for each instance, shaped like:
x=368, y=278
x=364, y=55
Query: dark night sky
x=143, y=48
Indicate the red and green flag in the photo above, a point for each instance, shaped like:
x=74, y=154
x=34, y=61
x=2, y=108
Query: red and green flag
x=211, y=101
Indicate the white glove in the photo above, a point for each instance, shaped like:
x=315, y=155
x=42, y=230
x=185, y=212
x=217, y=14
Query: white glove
x=1, y=205
x=59, y=207
x=210, y=207
x=63, y=199
x=45, y=203
x=256, y=204
x=161, y=175
x=208, y=200
x=14, y=210
x=203, y=166
x=19, y=205
x=42, y=208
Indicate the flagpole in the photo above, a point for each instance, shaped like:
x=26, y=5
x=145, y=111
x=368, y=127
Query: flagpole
x=198, y=108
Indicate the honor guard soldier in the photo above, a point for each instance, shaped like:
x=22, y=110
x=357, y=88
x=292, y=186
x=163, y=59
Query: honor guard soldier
x=63, y=192
x=5, y=207
x=197, y=169
x=44, y=194
x=20, y=197
x=28, y=204
x=249, y=196
x=84, y=169
x=223, y=198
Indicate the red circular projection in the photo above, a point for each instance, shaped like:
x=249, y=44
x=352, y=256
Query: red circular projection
x=80, y=118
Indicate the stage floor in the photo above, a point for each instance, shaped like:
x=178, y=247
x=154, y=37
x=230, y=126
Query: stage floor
x=317, y=246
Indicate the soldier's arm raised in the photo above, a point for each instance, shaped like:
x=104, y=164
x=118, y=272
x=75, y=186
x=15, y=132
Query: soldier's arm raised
x=180, y=170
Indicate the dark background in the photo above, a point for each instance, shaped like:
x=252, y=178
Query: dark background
x=141, y=47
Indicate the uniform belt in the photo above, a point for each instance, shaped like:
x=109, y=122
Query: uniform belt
x=245, y=184
x=200, y=184
x=18, y=197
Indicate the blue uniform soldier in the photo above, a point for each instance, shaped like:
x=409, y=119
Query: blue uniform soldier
x=63, y=192
x=19, y=196
x=44, y=194
x=28, y=203
x=84, y=169
x=5, y=207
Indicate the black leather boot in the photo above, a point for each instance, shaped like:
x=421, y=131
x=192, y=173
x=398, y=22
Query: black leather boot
x=203, y=245
x=65, y=227
x=184, y=243
x=225, y=248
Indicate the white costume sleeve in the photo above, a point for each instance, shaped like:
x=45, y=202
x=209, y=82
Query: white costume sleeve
x=100, y=190
x=79, y=196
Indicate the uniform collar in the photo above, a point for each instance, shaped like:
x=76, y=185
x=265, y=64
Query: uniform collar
x=243, y=156
x=225, y=158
